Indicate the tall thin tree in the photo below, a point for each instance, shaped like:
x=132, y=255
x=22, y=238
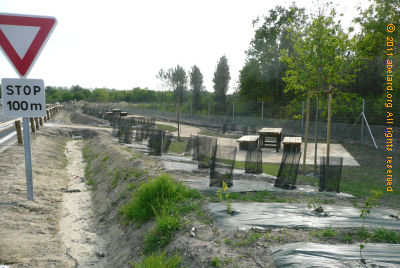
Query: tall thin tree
x=196, y=85
x=221, y=82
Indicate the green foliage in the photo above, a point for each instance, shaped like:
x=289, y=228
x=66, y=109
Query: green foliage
x=223, y=196
x=162, y=193
x=383, y=235
x=166, y=127
x=261, y=76
x=176, y=79
x=216, y=262
x=320, y=57
x=221, y=82
x=196, y=85
x=158, y=260
x=177, y=147
x=162, y=234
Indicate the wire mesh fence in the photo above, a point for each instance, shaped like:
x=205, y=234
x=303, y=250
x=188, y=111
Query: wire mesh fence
x=354, y=122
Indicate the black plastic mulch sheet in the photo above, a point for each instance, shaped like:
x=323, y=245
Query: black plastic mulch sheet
x=330, y=175
x=253, y=162
x=222, y=165
x=330, y=255
x=274, y=215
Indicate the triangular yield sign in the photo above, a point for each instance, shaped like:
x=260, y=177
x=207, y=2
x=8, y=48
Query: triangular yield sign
x=22, y=38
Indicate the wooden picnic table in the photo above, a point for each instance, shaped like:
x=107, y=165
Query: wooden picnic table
x=291, y=144
x=270, y=132
x=245, y=140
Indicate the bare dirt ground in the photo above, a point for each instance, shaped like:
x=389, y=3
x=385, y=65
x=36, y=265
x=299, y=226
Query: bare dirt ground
x=29, y=231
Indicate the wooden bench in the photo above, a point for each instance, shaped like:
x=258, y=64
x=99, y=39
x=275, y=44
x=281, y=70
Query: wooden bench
x=270, y=132
x=291, y=144
x=244, y=141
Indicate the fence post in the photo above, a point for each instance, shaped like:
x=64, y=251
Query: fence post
x=37, y=123
x=191, y=111
x=40, y=121
x=306, y=131
x=302, y=118
x=32, y=124
x=262, y=114
x=208, y=116
x=328, y=138
x=362, y=122
x=233, y=111
x=19, y=133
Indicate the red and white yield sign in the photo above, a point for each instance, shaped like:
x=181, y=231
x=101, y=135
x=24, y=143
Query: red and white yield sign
x=22, y=38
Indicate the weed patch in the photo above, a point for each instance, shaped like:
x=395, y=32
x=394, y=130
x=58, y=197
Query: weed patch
x=158, y=260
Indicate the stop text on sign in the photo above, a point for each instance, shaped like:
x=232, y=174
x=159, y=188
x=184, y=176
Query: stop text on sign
x=23, y=97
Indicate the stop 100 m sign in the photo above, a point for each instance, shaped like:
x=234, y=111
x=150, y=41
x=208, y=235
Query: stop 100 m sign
x=23, y=97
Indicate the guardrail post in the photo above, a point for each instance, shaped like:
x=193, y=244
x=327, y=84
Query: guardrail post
x=47, y=114
x=37, y=123
x=19, y=132
x=40, y=121
x=32, y=124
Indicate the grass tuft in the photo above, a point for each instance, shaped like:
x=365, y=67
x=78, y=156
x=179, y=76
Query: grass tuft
x=158, y=260
x=162, y=193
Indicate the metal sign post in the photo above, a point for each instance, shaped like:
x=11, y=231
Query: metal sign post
x=22, y=37
x=28, y=159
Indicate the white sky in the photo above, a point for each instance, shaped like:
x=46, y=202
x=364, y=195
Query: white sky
x=123, y=44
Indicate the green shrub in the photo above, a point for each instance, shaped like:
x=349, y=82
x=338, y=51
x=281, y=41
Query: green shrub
x=158, y=260
x=162, y=193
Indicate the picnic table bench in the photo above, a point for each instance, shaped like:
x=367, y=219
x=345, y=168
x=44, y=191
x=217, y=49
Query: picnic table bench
x=270, y=132
x=244, y=141
x=291, y=144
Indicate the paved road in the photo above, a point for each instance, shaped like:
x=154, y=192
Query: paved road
x=7, y=132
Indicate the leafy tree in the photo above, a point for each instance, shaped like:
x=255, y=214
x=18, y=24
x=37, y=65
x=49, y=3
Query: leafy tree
x=177, y=80
x=163, y=77
x=261, y=77
x=320, y=57
x=221, y=81
x=196, y=84
x=100, y=95
x=371, y=46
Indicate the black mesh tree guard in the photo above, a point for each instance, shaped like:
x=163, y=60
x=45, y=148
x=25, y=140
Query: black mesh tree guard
x=166, y=142
x=288, y=169
x=253, y=162
x=245, y=130
x=155, y=141
x=222, y=165
x=224, y=128
x=329, y=179
x=202, y=150
x=253, y=129
x=139, y=134
x=190, y=145
x=128, y=132
x=121, y=131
